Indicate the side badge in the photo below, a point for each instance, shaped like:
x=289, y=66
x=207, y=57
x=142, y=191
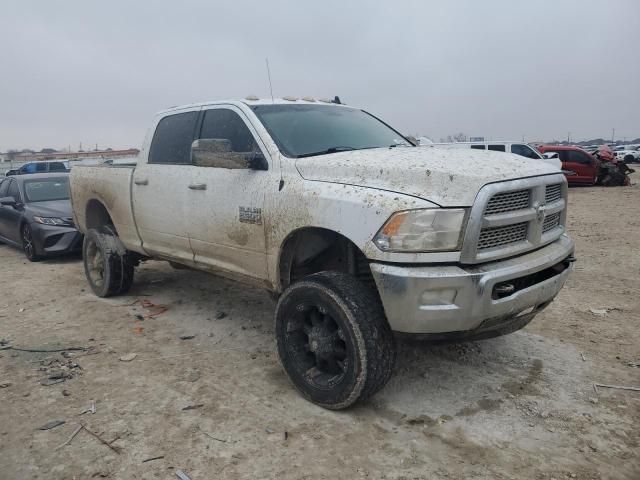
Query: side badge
x=250, y=215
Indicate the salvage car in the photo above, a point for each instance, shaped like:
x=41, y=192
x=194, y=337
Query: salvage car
x=360, y=235
x=35, y=215
x=579, y=166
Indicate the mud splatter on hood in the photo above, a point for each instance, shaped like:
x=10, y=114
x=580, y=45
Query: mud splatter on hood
x=446, y=177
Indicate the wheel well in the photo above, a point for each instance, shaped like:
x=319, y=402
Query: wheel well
x=313, y=250
x=97, y=215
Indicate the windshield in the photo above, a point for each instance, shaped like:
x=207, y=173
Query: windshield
x=308, y=130
x=47, y=189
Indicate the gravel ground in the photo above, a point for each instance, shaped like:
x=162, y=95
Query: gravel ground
x=520, y=406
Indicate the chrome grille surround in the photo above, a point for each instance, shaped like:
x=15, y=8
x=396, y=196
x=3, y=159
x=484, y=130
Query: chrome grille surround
x=508, y=226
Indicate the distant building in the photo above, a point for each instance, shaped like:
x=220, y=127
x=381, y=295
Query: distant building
x=31, y=157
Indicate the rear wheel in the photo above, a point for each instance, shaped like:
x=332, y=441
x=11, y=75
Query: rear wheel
x=28, y=246
x=629, y=159
x=107, y=265
x=334, y=341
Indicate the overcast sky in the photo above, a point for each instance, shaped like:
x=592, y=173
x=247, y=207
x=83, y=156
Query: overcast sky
x=96, y=72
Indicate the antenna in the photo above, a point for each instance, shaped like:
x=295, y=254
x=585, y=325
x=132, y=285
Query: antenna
x=269, y=75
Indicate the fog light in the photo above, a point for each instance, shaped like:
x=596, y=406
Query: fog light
x=438, y=297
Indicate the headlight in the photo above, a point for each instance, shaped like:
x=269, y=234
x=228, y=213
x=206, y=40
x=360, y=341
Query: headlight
x=426, y=230
x=51, y=221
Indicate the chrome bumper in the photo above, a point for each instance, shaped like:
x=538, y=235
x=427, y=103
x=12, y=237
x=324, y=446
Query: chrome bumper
x=442, y=299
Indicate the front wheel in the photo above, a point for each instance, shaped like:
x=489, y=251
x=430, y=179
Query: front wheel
x=334, y=340
x=28, y=245
x=107, y=265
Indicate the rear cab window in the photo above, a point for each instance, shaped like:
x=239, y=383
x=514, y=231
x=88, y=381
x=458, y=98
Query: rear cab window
x=497, y=148
x=172, y=139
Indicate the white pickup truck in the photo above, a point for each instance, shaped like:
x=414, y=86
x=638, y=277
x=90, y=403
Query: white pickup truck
x=361, y=235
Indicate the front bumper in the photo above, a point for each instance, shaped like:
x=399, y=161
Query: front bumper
x=443, y=299
x=54, y=240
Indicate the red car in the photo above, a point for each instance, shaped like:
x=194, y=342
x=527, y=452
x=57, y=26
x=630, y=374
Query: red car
x=579, y=166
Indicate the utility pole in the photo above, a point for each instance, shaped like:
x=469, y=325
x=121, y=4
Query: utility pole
x=613, y=134
x=568, y=137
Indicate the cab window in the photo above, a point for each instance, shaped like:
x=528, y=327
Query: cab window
x=524, y=151
x=225, y=124
x=496, y=148
x=574, y=156
x=478, y=147
x=172, y=139
x=14, y=191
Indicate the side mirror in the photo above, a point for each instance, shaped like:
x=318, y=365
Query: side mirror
x=8, y=202
x=216, y=153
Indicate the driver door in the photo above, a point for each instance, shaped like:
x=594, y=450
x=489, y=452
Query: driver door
x=225, y=223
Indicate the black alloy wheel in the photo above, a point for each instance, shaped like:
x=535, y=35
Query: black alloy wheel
x=28, y=246
x=334, y=341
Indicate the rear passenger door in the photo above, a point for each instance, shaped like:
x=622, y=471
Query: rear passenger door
x=160, y=189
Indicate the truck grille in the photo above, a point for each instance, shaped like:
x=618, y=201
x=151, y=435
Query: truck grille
x=498, y=236
x=551, y=222
x=553, y=193
x=512, y=217
x=508, y=201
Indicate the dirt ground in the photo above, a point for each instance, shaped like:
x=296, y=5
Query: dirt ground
x=517, y=407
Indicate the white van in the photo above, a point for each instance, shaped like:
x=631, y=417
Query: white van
x=518, y=148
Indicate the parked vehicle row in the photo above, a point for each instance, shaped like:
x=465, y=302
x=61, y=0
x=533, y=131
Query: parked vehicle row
x=517, y=148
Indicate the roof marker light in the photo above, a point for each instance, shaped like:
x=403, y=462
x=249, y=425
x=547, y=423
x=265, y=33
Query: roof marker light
x=251, y=98
x=308, y=99
x=326, y=100
x=290, y=99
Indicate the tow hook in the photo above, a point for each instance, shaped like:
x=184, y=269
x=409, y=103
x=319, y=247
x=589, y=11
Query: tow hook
x=569, y=260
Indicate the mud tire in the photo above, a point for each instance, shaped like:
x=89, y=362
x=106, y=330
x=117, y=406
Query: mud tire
x=365, y=337
x=107, y=265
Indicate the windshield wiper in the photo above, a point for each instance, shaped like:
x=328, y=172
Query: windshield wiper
x=399, y=145
x=328, y=150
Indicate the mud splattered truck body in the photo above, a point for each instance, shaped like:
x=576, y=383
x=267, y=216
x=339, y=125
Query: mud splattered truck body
x=359, y=234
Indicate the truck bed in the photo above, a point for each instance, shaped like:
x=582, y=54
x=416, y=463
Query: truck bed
x=109, y=185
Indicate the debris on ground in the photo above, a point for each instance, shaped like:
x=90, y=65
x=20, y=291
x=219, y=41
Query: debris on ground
x=211, y=436
x=617, y=387
x=75, y=432
x=58, y=370
x=5, y=385
x=128, y=357
x=138, y=330
x=193, y=407
x=221, y=315
x=182, y=476
x=187, y=337
x=152, y=459
x=102, y=440
x=152, y=309
x=51, y=424
x=600, y=312
x=91, y=409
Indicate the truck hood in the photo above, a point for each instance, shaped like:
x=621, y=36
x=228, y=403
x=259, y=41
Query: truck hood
x=449, y=178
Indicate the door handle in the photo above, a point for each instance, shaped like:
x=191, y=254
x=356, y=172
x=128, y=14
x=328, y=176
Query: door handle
x=198, y=186
x=144, y=181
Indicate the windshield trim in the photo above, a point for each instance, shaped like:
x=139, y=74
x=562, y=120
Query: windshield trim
x=289, y=155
